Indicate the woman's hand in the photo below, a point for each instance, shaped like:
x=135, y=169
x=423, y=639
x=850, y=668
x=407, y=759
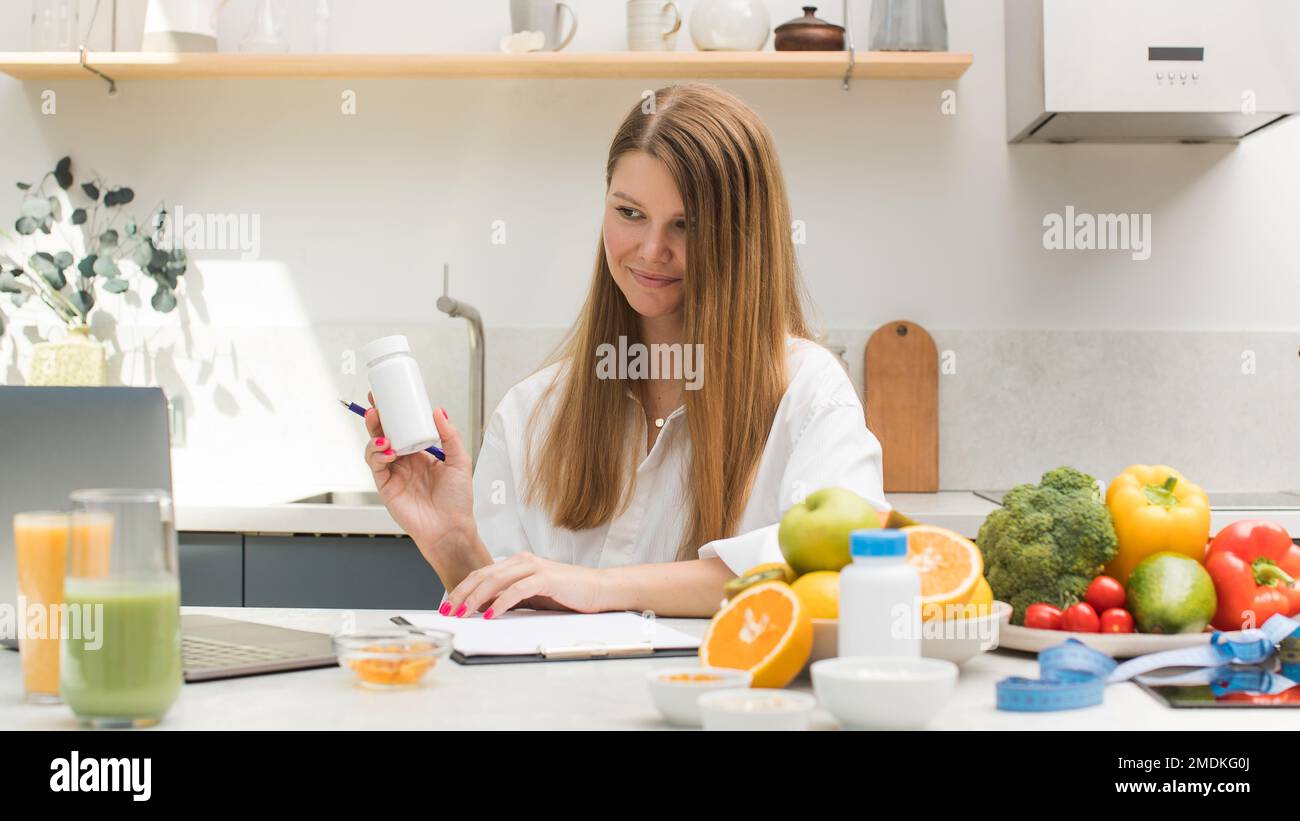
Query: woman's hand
x=526, y=580
x=431, y=500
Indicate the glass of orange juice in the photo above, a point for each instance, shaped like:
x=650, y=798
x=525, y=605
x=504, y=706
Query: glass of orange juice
x=41, y=548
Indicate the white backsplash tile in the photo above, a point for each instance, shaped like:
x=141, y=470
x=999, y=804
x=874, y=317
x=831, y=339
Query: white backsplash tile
x=1022, y=402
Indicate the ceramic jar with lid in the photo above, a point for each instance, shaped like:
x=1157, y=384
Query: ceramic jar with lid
x=809, y=33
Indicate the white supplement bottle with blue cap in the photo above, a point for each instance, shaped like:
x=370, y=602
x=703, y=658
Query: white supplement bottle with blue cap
x=398, y=388
x=880, y=597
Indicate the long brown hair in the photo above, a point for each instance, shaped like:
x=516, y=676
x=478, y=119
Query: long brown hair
x=742, y=299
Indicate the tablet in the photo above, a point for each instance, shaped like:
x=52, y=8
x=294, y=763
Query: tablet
x=1230, y=686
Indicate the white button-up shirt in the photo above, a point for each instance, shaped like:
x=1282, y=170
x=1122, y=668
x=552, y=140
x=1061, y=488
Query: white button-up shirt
x=818, y=439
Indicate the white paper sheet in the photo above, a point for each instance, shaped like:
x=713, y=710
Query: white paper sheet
x=526, y=632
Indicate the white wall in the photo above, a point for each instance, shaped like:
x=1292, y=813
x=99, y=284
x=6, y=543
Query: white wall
x=909, y=213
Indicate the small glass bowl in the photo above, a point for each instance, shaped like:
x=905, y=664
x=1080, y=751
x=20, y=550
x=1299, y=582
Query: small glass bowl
x=391, y=659
x=676, y=690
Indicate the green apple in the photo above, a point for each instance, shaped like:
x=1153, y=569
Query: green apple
x=815, y=535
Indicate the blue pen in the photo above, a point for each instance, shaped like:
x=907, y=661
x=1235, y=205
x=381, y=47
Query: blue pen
x=360, y=411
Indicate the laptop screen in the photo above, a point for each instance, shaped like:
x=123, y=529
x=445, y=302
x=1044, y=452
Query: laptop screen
x=56, y=440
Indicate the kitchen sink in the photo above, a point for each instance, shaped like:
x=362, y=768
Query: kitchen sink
x=343, y=498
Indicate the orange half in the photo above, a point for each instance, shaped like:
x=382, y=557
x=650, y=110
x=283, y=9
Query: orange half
x=764, y=630
x=950, y=564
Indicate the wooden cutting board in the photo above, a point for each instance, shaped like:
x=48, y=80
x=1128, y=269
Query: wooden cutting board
x=901, y=365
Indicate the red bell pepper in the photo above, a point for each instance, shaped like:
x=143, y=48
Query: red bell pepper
x=1254, y=565
x=1291, y=696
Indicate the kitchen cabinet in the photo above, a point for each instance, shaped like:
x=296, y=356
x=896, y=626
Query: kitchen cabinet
x=350, y=572
x=212, y=569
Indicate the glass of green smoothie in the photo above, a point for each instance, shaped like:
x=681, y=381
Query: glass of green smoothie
x=121, y=663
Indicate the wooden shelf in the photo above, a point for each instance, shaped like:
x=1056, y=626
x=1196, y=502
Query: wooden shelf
x=876, y=65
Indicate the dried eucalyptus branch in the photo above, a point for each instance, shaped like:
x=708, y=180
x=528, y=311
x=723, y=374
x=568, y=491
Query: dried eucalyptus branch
x=104, y=248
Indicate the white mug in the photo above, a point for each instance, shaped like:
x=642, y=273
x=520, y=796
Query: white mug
x=652, y=25
x=543, y=16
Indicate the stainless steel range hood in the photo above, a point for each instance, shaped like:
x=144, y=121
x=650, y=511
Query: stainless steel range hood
x=1150, y=70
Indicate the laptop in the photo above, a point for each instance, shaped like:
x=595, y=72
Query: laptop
x=56, y=440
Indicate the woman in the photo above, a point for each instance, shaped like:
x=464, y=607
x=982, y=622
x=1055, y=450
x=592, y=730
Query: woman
x=632, y=489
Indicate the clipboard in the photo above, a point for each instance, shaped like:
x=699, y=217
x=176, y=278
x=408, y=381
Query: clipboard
x=566, y=651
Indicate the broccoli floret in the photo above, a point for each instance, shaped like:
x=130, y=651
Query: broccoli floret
x=1067, y=480
x=1047, y=542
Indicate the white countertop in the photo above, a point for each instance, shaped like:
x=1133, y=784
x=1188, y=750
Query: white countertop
x=957, y=510
x=361, y=520
x=567, y=695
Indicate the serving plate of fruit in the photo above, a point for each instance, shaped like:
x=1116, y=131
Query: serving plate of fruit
x=960, y=617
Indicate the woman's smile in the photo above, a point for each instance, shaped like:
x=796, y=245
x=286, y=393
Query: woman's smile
x=649, y=279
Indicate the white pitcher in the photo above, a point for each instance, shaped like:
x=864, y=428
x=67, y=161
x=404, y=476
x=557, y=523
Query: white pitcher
x=181, y=25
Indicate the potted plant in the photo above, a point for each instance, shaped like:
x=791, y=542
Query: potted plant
x=67, y=244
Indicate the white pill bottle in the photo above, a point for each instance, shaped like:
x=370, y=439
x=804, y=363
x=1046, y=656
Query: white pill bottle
x=880, y=597
x=403, y=403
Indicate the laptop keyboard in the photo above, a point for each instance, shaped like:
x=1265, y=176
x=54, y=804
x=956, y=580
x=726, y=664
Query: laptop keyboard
x=209, y=654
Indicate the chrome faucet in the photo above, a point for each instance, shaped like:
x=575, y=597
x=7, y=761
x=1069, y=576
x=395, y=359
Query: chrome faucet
x=455, y=308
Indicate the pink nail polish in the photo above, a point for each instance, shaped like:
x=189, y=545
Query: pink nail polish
x=460, y=611
x=445, y=609
x=444, y=413
x=488, y=614
x=379, y=443
x=388, y=452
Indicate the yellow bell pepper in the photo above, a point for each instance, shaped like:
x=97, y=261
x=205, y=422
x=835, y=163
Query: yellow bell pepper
x=1154, y=508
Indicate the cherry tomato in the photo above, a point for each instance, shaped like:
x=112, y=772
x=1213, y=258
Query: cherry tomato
x=1105, y=593
x=1043, y=616
x=1080, y=618
x=1117, y=620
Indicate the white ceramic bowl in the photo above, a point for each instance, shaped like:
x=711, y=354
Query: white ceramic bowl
x=956, y=641
x=884, y=693
x=961, y=640
x=678, y=697
x=758, y=709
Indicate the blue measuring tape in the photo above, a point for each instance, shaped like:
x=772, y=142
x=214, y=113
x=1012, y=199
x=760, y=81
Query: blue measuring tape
x=1073, y=675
